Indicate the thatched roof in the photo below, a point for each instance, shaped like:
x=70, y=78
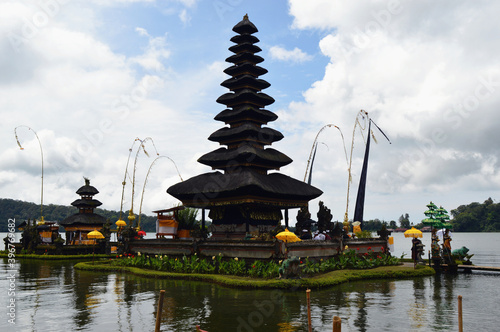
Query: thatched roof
x=87, y=189
x=84, y=219
x=245, y=186
x=86, y=203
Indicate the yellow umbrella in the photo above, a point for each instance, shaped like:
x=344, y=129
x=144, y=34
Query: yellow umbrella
x=287, y=236
x=413, y=232
x=120, y=223
x=95, y=234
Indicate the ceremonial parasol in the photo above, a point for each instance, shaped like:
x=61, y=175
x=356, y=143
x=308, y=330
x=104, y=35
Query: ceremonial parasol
x=95, y=234
x=287, y=236
x=413, y=232
x=120, y=223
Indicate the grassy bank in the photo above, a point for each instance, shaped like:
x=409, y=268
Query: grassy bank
x=57, y=257
x=318, y=281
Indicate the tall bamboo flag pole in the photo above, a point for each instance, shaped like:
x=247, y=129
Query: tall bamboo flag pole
x=131, y=216
x=146, y=181
x=125, y=177
x=363, y=115
x=41, y=153
x=360, y=198
x=308, y=170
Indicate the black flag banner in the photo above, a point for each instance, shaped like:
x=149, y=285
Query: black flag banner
x=360, y=199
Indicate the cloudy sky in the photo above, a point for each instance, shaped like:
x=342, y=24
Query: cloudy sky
x=90, y=76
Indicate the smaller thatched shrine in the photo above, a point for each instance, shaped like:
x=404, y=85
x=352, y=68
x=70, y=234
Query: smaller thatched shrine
x=48, y=231
x=80, y=224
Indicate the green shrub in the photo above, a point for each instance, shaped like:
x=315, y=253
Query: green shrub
x=349, y=259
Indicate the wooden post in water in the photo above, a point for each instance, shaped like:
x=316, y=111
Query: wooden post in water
x=460, y=322
x=159, y=310
x=308, y=295
x=337, y=324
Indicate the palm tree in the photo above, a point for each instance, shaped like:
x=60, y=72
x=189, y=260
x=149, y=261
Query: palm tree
x=187, y=218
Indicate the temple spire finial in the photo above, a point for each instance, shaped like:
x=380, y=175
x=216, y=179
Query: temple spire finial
x=245, y=17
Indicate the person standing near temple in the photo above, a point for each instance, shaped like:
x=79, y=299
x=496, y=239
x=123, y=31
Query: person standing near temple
x=447, y=245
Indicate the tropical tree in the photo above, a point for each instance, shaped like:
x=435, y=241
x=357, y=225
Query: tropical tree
x=404, y=221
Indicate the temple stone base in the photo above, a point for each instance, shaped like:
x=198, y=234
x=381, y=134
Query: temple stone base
x=237, y=231
x=253, y=249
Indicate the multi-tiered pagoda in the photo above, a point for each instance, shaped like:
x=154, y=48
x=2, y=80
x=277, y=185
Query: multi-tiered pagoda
x=80, y=224
x=245, y=196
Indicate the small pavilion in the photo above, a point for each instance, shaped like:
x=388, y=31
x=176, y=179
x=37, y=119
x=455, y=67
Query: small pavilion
x=246, y=193
x=80, y=224
x=48, y=231
x=166, y=222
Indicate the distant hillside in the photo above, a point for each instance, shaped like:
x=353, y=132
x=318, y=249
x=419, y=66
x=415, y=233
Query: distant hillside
x=20, y=210
x=477, y=217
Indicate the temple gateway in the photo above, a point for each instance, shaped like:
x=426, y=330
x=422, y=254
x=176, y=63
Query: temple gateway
x=242, y=194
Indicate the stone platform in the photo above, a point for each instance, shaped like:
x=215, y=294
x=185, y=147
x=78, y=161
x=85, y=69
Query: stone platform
x=252, y=249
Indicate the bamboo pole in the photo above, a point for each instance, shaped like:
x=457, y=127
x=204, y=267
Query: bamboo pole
x=41, y=154
x=159, y=311
x=337, y=324
x=308, y=295
x=460, y=321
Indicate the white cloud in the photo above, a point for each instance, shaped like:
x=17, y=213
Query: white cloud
x=185, y=17
x=142, y=31
x=427, y=75
x=296, y=55
x=188, y=3
x=154, y=54
x=87, y=103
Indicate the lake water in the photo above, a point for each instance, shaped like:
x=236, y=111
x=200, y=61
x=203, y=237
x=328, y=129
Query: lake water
x=52, y=296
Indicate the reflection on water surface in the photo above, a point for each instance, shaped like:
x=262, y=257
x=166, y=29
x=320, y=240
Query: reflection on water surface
x=53, y=296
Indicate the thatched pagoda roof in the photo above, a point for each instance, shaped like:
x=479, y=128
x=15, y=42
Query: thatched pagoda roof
x=87, y=189
x=86, y=205
x=245, y=186
x=246, y=159
x=84, y=219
